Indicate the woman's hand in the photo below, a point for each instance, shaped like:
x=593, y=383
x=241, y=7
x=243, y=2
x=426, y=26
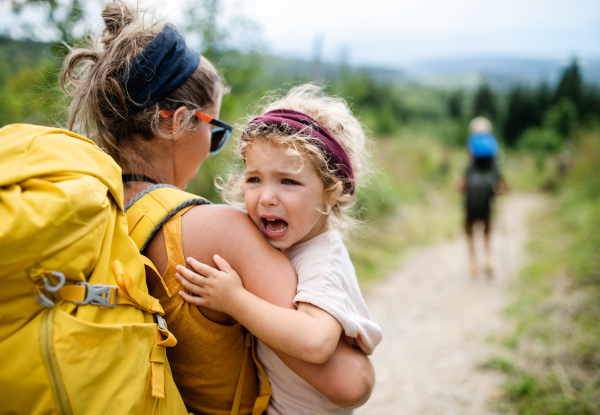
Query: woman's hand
x=212, y=288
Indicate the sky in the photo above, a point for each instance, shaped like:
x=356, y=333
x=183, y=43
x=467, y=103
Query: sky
x=393, y=33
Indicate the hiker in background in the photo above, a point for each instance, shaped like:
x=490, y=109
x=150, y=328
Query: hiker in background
x=304, y=157
x=480, y=183
x=153, y=104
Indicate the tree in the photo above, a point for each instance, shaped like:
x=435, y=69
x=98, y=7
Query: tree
x=543, y=101
x=484, y=103
x=64, y=17
x=455, y=105
x=202, y=19
x=562, y=118
x=591, y=106
x=521, y=113
x=571, y=87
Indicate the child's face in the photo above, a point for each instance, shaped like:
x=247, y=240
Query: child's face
x=281, y=202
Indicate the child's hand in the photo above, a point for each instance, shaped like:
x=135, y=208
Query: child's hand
x=213, y=289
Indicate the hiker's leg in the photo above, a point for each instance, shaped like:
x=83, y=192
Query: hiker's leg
x=469, y=224
x=487, y=244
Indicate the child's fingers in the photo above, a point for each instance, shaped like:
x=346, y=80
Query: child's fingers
x=223, y=264
x=190, y=275
x=191, y=299
x=200, y=267
x=194, y=288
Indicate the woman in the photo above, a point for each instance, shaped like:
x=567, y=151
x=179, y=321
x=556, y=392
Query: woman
x=151, y=102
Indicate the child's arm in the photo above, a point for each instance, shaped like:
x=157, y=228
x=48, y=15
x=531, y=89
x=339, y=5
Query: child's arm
x=309, y=333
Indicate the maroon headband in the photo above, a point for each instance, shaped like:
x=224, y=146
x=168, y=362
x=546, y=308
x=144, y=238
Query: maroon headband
x=298, y=122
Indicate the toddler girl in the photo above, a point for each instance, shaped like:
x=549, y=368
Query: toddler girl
x=302, y=159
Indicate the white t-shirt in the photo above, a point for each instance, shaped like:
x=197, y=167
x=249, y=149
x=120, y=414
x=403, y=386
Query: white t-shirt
x=326, y=279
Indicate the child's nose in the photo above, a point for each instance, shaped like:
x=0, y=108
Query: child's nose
x=268, y=197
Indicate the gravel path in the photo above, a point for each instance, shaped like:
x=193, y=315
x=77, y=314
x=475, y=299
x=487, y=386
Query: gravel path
x=437, y=321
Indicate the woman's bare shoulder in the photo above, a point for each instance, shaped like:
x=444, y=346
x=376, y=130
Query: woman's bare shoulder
x=221, y=224
x=220, y=229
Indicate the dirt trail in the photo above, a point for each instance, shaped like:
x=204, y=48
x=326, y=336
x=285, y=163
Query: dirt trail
x=436, y=320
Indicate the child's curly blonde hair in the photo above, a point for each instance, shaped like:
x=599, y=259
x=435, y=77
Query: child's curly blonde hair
x=335, y=115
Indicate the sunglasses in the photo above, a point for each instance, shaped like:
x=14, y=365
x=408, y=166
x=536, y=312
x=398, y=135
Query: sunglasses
x=219, y=134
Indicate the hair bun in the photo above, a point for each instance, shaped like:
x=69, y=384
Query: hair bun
x=116, y=16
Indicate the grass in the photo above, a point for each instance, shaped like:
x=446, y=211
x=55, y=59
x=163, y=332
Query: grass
x=552, y=358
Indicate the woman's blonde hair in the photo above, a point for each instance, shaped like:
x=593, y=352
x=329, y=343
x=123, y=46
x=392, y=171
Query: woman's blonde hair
x=98, y=110
x=335, y=115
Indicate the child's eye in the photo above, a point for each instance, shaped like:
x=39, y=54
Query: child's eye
x=253, y=180
x=289, y=182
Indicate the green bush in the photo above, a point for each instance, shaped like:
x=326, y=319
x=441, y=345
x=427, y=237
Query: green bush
x=562, y=118
x=540, y=141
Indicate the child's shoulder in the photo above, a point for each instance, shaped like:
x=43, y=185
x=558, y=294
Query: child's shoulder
x=319, y=242
x=326, y=250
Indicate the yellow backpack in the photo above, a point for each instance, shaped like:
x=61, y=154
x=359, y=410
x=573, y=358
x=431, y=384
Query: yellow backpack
x=78, y=329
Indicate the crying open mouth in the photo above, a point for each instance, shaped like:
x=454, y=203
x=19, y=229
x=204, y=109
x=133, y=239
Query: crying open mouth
x=275, y=225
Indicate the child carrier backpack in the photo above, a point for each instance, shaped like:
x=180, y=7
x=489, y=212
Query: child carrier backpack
x=79, y=333
x=482, y=145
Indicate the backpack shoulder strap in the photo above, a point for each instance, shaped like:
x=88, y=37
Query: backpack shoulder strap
x=152, y=207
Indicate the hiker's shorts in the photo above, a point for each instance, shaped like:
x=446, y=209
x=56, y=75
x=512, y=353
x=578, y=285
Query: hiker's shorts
x=471, y=219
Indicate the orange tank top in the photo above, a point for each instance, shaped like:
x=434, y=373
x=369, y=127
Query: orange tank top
x=207, y=360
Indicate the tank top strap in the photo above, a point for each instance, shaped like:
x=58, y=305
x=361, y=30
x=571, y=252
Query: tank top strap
x=174, y=245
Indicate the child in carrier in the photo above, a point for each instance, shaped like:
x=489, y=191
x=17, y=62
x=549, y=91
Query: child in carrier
x=303, y=158
x=480, y=183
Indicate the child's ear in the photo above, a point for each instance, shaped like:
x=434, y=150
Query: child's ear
x=329, y=200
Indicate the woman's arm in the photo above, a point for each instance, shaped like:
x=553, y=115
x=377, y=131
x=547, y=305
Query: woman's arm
x=461, y=185
x=309, y=333
x=347, y=378
x=267, y=273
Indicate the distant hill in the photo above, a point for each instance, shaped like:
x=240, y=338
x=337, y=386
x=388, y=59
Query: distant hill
x=502, y=72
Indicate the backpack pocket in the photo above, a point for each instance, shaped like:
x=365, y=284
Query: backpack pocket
x=97, y=380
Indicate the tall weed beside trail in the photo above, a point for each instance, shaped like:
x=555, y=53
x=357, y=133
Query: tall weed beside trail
x=554, y=364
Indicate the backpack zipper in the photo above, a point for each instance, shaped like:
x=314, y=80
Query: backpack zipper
x=59, y=392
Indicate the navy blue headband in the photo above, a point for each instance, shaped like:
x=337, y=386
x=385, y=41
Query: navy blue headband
x=164, y=64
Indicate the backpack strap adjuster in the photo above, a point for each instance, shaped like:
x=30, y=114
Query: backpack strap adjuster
x=99, y=294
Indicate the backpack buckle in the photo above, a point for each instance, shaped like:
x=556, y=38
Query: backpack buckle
x=99, y=294
x=41, y=297
x=161, y=322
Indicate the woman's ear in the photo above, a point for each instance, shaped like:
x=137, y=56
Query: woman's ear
x=177, y=121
